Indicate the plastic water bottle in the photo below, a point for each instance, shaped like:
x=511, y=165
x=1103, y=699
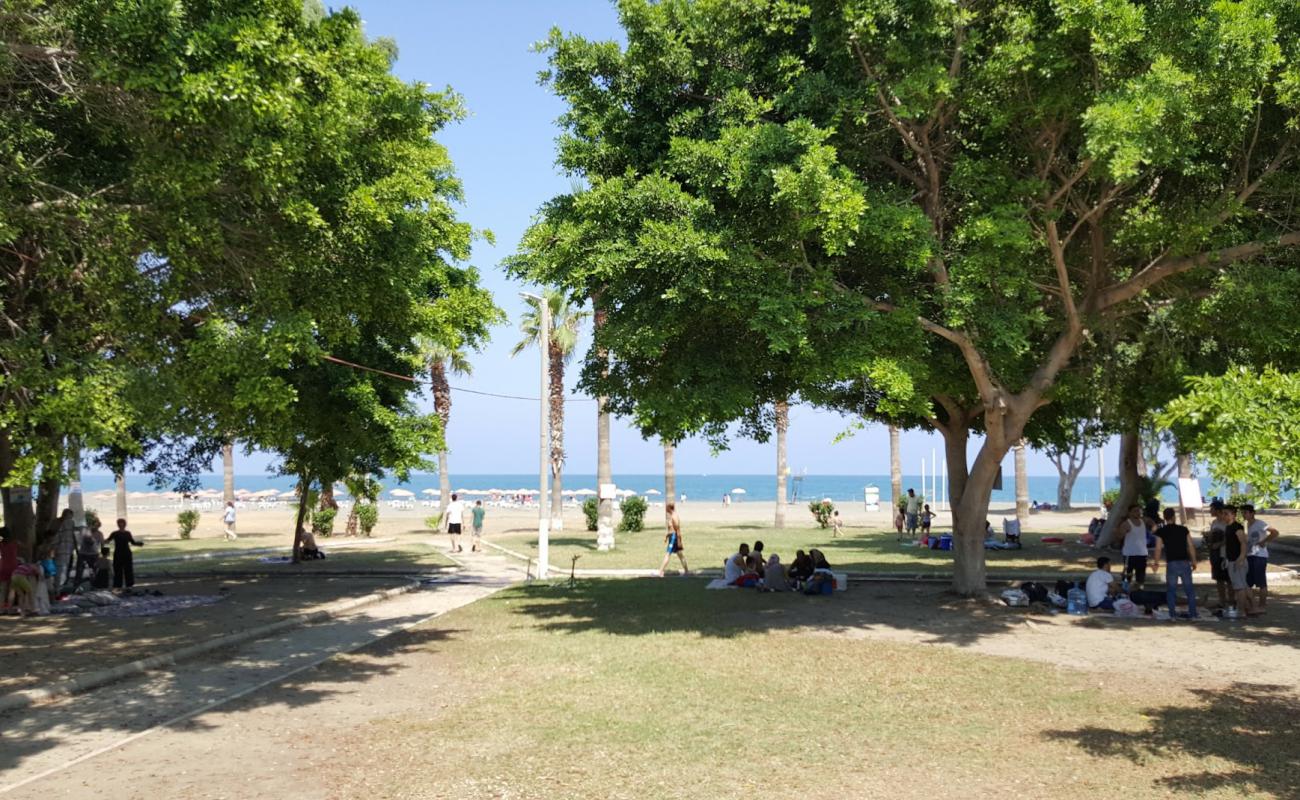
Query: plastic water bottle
x=1124, y=586
x=1076, y=602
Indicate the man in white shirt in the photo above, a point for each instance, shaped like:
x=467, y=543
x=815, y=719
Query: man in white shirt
x=912, y=505
x=1258, y=534
x=734, y=567
x=453, y=519
x=229, y=518
x=1101, y=586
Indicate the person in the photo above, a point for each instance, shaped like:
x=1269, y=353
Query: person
x=926, y=516
x=899, y=518
x=821, y=574
x=1133, y=531
x=228, y=517
x=8, y=562
x=24, y=584
x=673, y=540
x=476, y=515
x=800, y=569
x=1175, y=541
x=726, y=500
x=1258, y=534
x=774, y=575
x=1101, y=587
x=308, y=550
x=1214, y=541
x=837, y=525
x=734, y=567
x=760, y=558
x=103, y=571
x=1234, y=556
x=989, y=533
x=92, y=539
x=64, y=541
x=455, y=517
x=912, y=505
x=123, y=561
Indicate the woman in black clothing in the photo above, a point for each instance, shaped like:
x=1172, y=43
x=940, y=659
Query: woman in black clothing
x=123, y=562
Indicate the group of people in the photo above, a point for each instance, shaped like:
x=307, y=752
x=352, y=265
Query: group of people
x=453, y=521
x=914, y=514
x=1236, y=544
x=64, y=561
x=809, y=573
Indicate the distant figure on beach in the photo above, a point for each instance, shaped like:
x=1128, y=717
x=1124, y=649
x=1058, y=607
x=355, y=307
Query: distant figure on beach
x=837, y=525
x=476, y=520
x=455, y=517
x=673, y=540
x=123, y=561
x=726, y=499
x=228, y=517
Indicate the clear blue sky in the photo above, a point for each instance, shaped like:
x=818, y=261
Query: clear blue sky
x=504, y=153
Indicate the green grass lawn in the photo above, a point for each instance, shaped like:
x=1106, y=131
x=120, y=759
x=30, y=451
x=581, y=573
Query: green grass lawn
x=408, y=553
x=657, y=689
x=859, y=551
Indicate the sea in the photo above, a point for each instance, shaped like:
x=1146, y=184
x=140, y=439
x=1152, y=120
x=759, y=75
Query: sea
x=706, y=488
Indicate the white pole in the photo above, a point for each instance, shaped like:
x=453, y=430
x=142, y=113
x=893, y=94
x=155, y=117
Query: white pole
x=944, y=501
x=923, y=477
x=543, y=500
x=934, y=480
x=1101, y=479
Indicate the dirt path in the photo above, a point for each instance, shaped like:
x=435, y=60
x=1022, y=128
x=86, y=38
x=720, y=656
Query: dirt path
x=62, y=746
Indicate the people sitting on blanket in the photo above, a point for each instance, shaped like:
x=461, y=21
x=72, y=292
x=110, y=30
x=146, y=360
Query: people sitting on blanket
x=774, y=575
x=735, y=568
x=1101, y=587
x=822, y=580
x=309, y=551
x=756, y=552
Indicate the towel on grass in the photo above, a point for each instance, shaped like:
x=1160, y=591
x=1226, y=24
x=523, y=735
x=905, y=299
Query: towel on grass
x=719, y=583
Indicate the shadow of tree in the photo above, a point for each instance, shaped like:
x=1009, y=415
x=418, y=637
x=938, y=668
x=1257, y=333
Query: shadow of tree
x=1251, y=729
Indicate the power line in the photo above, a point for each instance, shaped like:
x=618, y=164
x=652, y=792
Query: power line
x=427, y=382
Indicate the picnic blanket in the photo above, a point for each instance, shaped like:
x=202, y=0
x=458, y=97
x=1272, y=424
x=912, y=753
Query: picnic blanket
x=275, y=560
x=152, y=606
x=719, y=583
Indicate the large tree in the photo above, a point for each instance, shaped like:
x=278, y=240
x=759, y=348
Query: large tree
x=973, y=193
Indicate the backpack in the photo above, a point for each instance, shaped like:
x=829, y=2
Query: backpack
x=1036, y=592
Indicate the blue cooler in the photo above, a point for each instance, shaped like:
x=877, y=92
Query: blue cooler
x=945, y=542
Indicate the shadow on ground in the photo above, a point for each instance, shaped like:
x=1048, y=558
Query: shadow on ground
x=1253, y=728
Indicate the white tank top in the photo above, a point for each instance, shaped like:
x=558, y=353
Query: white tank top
x=1135, y=541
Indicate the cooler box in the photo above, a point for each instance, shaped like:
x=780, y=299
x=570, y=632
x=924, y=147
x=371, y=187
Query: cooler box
x=841, y=581
x=945, y=542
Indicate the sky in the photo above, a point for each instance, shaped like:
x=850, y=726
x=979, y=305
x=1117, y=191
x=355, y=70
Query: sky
x=505, y=156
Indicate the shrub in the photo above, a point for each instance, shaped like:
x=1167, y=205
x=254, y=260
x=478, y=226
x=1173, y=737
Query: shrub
x=633, y=514
x=92, y=517
x=1110, y=496
x=188, y=520
x=821, y=511
x=433, y=522
x=322, y=522
x=591, y=510
x=367, y=517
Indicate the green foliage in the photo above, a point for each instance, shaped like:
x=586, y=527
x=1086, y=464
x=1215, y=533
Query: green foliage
x=1245, y=425
x=187, y=521
x=591, y=511
x=633, y=518
x=367, y=517
x=322, y=521
x=433, y=522
x=1110, y=496
x=822, y=511
x=92, y=518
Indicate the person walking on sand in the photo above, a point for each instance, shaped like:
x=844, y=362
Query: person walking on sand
x=123, y=561
x=837, y=525
x=455, y=517
x=673, y=540
x=228, y=517
x=476, y=521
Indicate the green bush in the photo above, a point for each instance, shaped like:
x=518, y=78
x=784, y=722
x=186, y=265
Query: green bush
x=633, y=514
x=591, y=510
x=367, y=517
x=433, y=522
x=92, y=517
x=188, y=520
x=322, y=522
x=1110, y=496
x=822, y=511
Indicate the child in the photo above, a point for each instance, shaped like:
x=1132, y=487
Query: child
x=926, y=516
x=476, y=519
x=103, y=578
x=837, y=525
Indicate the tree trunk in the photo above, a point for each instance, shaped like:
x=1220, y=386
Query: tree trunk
x=1184, y=471
x=18, y=513
x=1065, y=485
x=76, y=496
x=954, y=454
x=604, y=470
x=1022, y=483
x=782, y=425
x=304, y=489
x=1129, y=452
x=119, y=482
x=670, y=475
x=441, y=391
x=557, y=435
x=47, y=502
x=228, y=472
x=895, y=471
x=327, y=497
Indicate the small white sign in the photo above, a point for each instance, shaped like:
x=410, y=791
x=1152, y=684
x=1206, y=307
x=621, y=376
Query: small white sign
x=608, y=491
x=1189, y=492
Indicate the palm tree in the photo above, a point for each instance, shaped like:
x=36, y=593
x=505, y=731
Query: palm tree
x=228, y=472
x=895, y=472
x=782, y=425
x=670, y=473
x=566, y=318
x=442, y=359
x=1022, y=483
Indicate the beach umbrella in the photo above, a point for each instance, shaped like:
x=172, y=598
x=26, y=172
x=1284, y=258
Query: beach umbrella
x=652, y=491
x=138, y=495
x=288, y=493
x=431, y=491
x=738, y=491
x=401, y=493
x=585, y=492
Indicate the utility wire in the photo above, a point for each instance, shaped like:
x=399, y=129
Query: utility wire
x=427, y=382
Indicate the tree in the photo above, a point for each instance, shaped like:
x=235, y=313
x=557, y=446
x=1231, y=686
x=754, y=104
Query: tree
x=895, y=470
x=566, y=317
x=441, y=361
x=782, y=470
x=228, y=472
x=983, y=213
x=670, y=473
x=1022, y=482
